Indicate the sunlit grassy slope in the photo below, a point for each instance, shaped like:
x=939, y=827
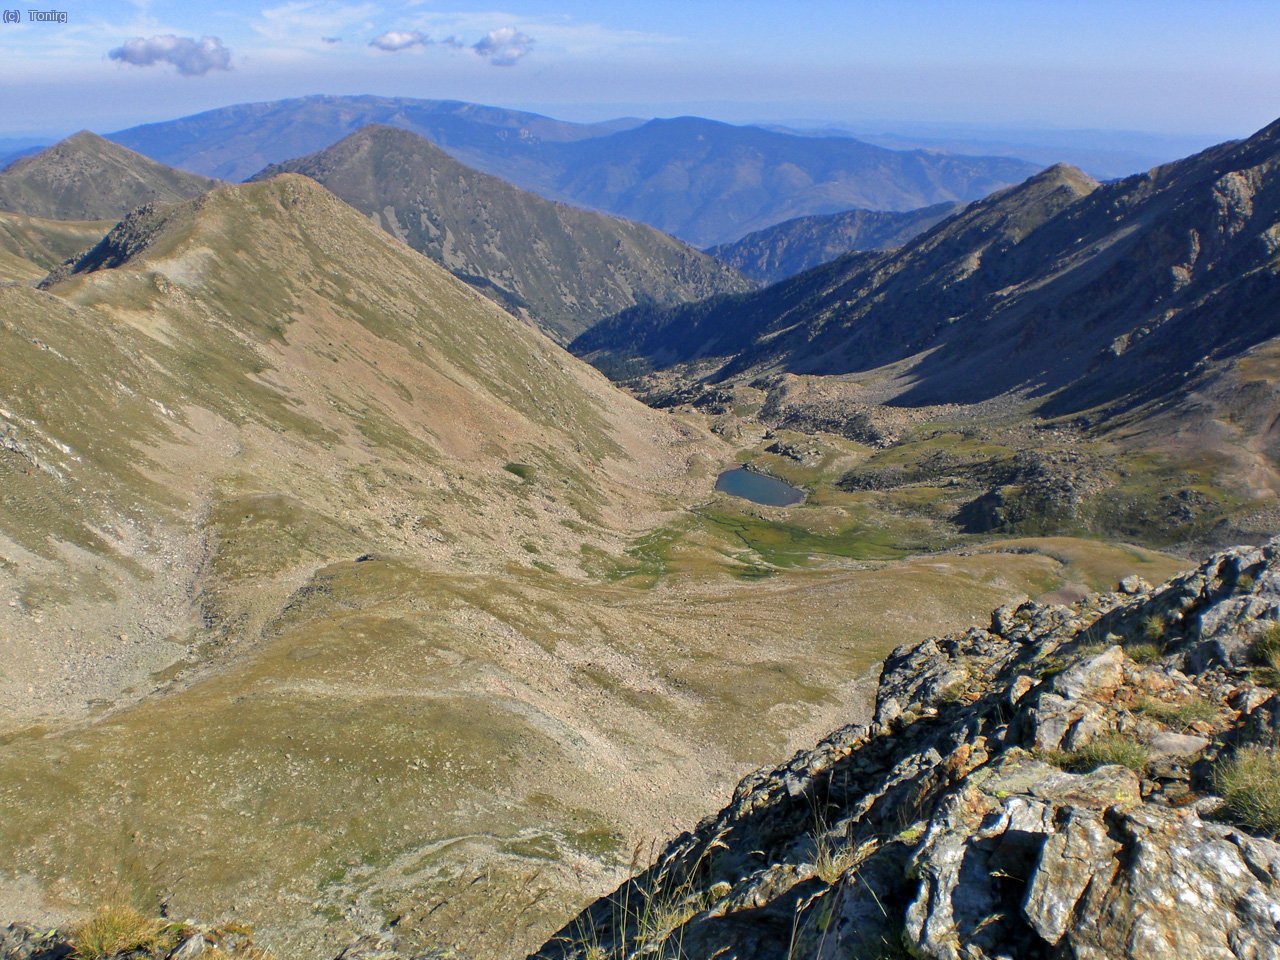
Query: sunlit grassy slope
x=340, y=596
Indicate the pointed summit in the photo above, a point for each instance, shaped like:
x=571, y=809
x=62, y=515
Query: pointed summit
x=86, y=177
x=559, y=266
x=1063, y=174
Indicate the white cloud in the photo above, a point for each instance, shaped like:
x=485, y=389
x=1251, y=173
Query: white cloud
x=557, y=35
x=190, y=56
x=504, y=47
x=396, y=40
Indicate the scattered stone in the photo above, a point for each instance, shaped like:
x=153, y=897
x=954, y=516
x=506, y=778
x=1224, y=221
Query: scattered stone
x=1133, y=585
x=21, y=942
x=1167, y=745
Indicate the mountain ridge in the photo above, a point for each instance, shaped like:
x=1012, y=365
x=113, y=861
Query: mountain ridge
x=559, y=266
x=655, y=171
x=1077, y=292
x=305, y=125
x=726, y=327
x=87, y=177
x=253, y=445
x=710, y=182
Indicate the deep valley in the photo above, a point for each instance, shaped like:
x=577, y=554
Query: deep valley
x=340, y=600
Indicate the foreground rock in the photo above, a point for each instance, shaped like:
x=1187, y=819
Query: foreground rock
x=1050, y=786
x=116, y=933
x=105, y=937
x=1095, y=782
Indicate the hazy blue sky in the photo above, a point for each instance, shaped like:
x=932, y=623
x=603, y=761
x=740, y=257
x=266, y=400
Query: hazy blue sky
x=1178, y=66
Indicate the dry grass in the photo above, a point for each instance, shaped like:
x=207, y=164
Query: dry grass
x=1179, y=715
x=1143, y=652
x=832, y=858
x=834, y=855
x=117, y=928
x=1108, y=750
x=650, y=914
x=1153, y=629
x=1249, y=782
x=1264, y=652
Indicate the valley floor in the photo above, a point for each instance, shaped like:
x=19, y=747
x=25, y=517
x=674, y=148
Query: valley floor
x=471, y=757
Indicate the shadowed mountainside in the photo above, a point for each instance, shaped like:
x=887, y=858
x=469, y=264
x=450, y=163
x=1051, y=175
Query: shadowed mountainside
x=782, y=251
x=737, y=330
x=563, y=267
x=1078, y=293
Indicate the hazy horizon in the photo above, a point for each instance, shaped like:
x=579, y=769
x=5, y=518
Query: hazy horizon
x=1199, y=70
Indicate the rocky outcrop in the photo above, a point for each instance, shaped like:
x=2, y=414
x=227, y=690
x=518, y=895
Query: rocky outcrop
x=122, y=934
x=127, y=239
x=1057, y=784
x=85, y=177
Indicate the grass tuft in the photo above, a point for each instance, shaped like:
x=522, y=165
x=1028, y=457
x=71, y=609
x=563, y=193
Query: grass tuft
x=1181, y=715
x=832, y=857
x=1108, y=750
x=1264, y=653
x=1143, y=652
x=650, y=914
x=1153, y=629
x=1249, y=782
x=117, y=928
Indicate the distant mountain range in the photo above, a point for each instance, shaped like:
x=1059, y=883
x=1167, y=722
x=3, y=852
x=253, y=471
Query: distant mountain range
x=235, y=142
x=14, y=148
x=1105, y=154
x=710, y=183
x=561, y=266
x=558, y=266
x=782, y=251
x=1077, y=293
x=85, y=177
x=703, y=181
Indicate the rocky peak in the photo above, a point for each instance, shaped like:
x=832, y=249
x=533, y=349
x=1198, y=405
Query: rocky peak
x=1093, y=781
x=81, y=139
x=1064, y=174
x=86, y=177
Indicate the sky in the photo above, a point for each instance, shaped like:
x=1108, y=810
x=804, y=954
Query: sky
x=1172, y=67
